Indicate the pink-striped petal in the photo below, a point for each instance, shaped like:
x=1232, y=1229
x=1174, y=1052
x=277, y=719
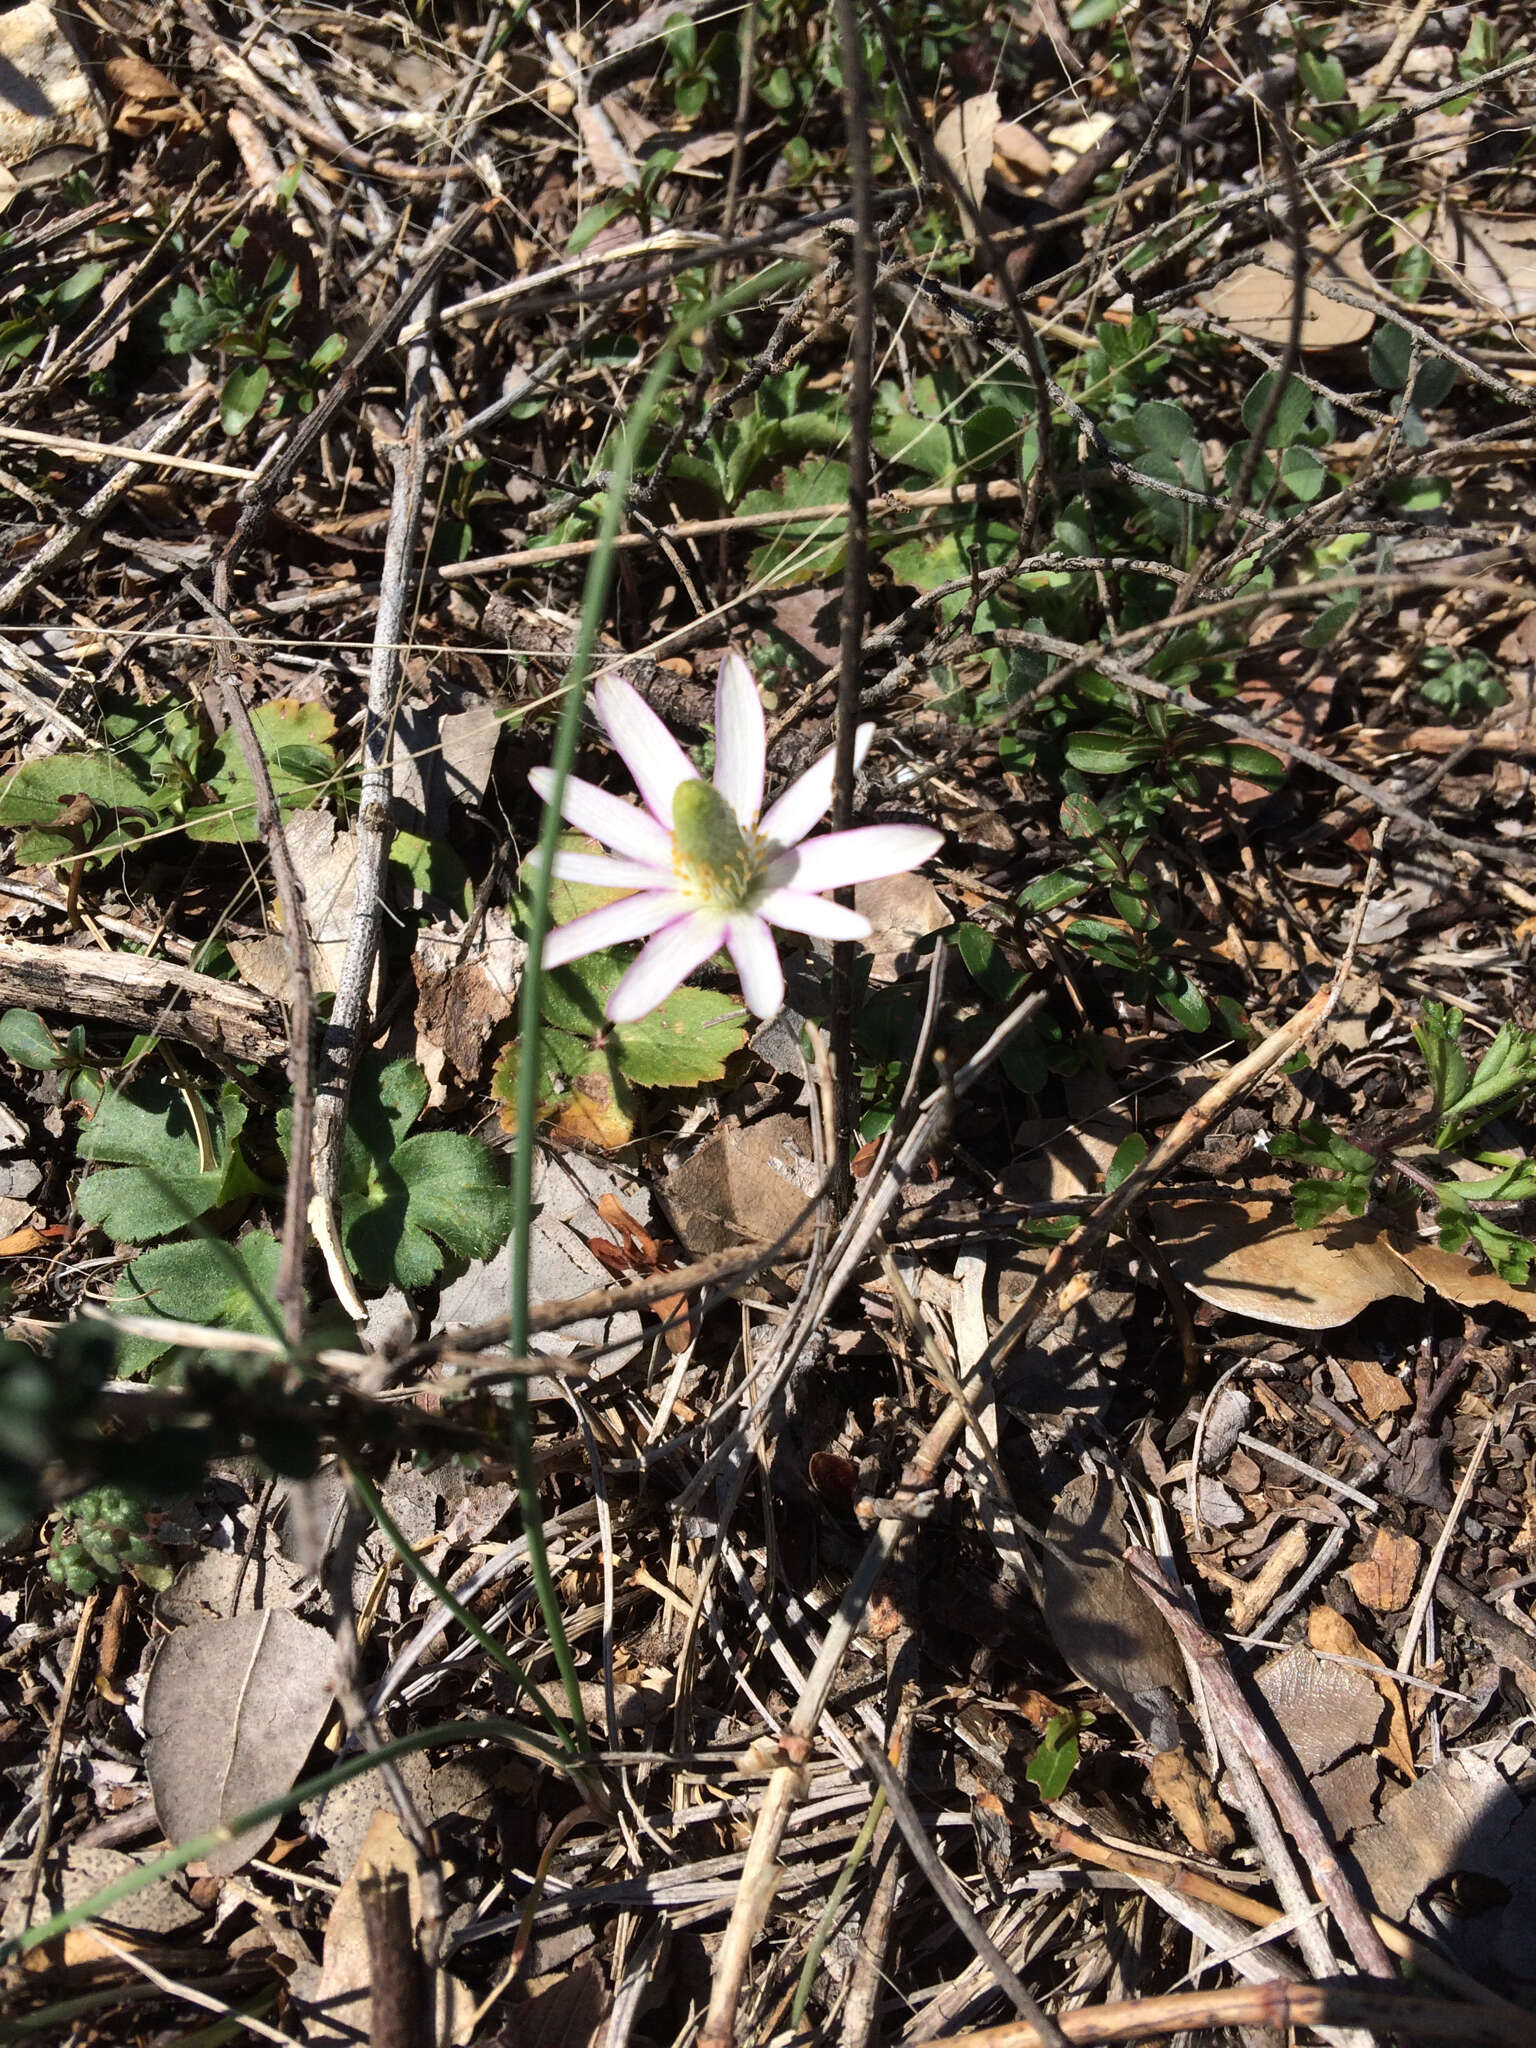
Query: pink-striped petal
x=597, y=868
x=647, y=749
x=814, y=915
x=632, y=917
x=809, y=798
x=839, y=859
x=741, y=740
x=667, y=959
x=756, y=959
x=624, y=827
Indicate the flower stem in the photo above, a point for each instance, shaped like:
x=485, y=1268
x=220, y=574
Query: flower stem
x=530, y=1013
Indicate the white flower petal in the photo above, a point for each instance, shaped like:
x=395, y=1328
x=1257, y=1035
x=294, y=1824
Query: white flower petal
x=809, y=798
x=741, y=740
x=647, y=749
x=597, y=868
x=756, y=958
x=814, y=915
x=632, y=917
x=839, y=859
x=624, y=827
x=667, y=959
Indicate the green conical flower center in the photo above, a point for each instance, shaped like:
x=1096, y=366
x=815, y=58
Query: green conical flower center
x=716, y=861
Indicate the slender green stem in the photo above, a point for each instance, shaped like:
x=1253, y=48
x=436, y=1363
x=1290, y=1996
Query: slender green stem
x=368, y=1494
x=829, y=1912
x=530, y=1012
x=493, y=1728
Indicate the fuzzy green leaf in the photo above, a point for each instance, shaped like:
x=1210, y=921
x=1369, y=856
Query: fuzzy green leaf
x=26, y=1039
x=156, y=1186
x=200, y=1280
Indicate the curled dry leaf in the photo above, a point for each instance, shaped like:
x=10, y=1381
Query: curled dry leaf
x=1385, y=1580
x=1256, y=298
x=1179, y=1784
x=232, y=1710
x=1332, y=1634
x=964, y=139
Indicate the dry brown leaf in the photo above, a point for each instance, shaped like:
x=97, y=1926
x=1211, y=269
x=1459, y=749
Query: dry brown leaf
x=1180, y=1785
x=1250, y=1258
x=1323, y=1709
x=1019, y=145
x=1256, y=299
x=1333, y=1634
x=232, y=1709
x=746, y=1184
x=1385, y=1580
x=325, y=861
x=342, y=2008
x=964, y=139
x=566, y=2014
x=1380, y=1394
x=1102, y=1623
x=1459, y=1282
x=902, y=909
x=1491, y=258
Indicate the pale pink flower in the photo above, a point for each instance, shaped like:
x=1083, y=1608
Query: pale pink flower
x=706, y=865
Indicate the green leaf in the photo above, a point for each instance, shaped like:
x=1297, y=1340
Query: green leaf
x=295, y=744
x=1182, y=999
x=1048, y=892
x=986, y=962
x=33, y=795
x=244, y=393
x=200, y=1280
x=1109, y=753
x=1050, y=1768
x=1089, y=13
x=26, y=1039
x=1290, y=416
x=802, y=549
x=1128, y=1156
x=1313, y=1200
x=1303, y=473
x=1438, y=1037
x=1162, y=428
x=683, y=1042
x=1315, y=1143
x=403, y=1199
x=147, y=1135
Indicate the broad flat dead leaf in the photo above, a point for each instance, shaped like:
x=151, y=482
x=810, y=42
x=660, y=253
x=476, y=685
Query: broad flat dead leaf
x=964, y=139
x=160, y=1908
x=902, y=910
x=1256, y=299
x=1462, y=1283
x=232, y=1710
x=1490, y=257
x=325, y=861
x=1333, y=1634
x=1324, y=1710
x=1385, y=1580
x=1018, y=145
x=1101, y=1621
x=342, y=2009
x=567, y=2014
x=1250, y=1258
x=1463, y=1816
x=746, y=1184
x=460, y=1002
